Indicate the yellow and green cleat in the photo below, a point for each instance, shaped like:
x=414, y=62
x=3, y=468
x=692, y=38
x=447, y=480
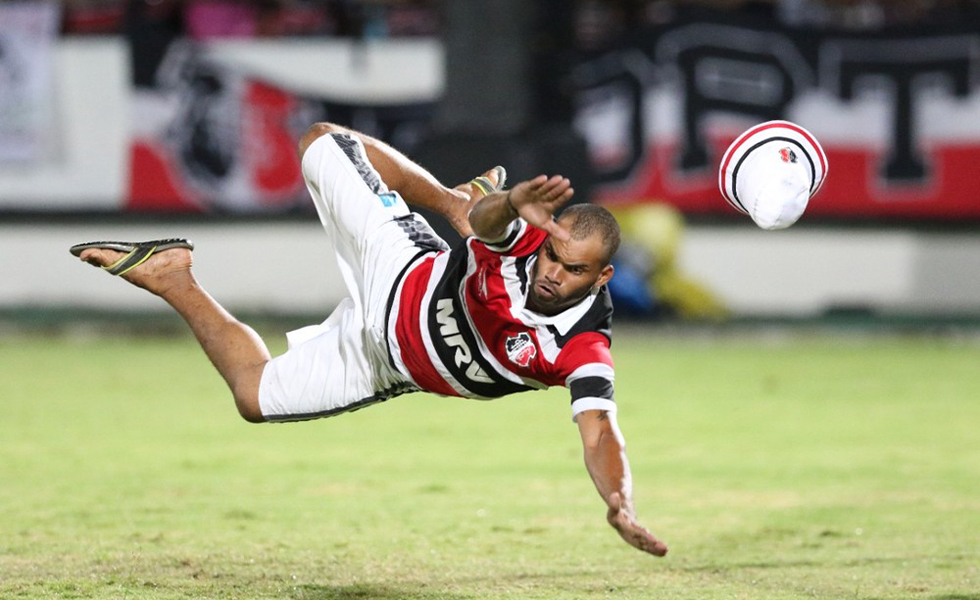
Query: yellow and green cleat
x=137, y=252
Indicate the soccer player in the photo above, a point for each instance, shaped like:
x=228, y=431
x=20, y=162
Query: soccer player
x=520, y=305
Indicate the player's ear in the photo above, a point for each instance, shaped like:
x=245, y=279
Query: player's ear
x=604, y=276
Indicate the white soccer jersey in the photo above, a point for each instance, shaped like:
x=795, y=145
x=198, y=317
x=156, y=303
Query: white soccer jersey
x=457, y=325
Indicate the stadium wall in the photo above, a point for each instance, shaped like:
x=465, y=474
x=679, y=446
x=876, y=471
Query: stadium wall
x=251, y=264
x=99, y=120
x=85, y=161
x=288, y=268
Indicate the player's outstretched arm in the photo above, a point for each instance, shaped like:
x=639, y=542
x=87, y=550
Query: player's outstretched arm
x=416, y=185
x=535, y=201
x=605, y=458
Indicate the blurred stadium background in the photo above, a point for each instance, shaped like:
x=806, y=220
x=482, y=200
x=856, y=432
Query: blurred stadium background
x=136, y=119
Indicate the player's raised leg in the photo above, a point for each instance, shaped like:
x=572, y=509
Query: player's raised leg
x=234, y=348
x=416, y=185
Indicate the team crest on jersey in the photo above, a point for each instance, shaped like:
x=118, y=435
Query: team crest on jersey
x=521, y=349
x=787, y=155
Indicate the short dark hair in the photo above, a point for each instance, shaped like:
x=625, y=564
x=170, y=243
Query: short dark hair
x=592, y=219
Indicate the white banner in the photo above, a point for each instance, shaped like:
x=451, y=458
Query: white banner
x=27, y=37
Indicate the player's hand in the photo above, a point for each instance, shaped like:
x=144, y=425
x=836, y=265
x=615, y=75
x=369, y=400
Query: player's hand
x=621, y=517
x=538, y=199
x=458, y=215
x=466, y=197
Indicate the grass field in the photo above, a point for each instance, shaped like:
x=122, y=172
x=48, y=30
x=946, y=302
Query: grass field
x=775, y=466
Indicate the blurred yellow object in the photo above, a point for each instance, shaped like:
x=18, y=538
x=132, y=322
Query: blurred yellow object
x=658, y=228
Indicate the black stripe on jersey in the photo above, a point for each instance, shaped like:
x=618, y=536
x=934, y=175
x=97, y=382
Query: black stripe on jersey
x=426, y=240
x=508, y=241
x=452, y=337
x=594, y=387
x=351, y=148
x=391, y=303
x=521, y=265
x=598, y=318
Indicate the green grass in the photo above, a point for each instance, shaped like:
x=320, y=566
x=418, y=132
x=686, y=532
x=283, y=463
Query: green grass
x=775, y=467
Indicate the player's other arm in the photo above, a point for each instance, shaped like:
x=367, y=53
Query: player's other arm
x=535, y=201
x=605, y=458
x=416, y=185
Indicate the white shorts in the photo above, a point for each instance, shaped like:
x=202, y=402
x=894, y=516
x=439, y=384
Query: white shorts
x=343, y=363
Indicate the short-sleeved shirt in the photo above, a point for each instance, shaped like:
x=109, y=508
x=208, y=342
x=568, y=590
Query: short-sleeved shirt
x=458, y=325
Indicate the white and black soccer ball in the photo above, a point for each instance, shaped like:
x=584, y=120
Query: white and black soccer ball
x=771, y=171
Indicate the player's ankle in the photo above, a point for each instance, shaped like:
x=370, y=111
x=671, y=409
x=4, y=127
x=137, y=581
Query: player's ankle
x=174, y=284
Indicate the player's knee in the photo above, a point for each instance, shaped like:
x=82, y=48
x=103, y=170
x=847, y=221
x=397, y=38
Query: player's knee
x=316, y=131
x=248, y=408
x=247, y=402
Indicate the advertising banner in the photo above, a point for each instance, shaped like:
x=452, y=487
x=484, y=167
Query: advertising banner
x=208, y=137
x=898, y=113
x=27, y=37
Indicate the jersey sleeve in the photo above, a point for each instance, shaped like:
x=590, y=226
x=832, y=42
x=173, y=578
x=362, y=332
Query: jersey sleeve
x=520, y=239
x=590, y=373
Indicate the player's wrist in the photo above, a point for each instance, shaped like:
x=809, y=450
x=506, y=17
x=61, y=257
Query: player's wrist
x=510, y=204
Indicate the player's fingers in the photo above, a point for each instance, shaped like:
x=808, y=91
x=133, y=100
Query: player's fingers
x=564, y=197
x=553, y=187
x=641, y=538
x=557, y=190
x=536, y=183
x=654, y=547
x=540, y=187
x=556, y=230
x=648, y=542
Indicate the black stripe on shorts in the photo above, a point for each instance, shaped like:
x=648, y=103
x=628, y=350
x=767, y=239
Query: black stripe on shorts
x=352, y=149
x=396, y=390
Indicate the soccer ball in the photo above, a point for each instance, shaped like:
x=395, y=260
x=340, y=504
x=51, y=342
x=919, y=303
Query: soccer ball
x=771, y=171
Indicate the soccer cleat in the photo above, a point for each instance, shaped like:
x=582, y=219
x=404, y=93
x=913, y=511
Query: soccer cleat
x=137, y=252
x=485, y=185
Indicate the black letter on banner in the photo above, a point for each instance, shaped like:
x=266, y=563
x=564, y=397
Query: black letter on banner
x=613, y=86
x=905, y=65
x=730, y=69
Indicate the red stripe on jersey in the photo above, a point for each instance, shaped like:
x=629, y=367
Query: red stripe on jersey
x=485, y=295
x=527, y=244
x=489, y=307
x=407, y=330
x=544, y=371
x=584, y=348
x=489, y=304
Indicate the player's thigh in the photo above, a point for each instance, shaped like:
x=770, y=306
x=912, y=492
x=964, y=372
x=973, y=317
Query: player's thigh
x=384, y=254
x=349, y=194
x=328, y=374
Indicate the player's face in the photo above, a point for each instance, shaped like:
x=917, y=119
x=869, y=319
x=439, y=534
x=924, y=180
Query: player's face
x=565, y=272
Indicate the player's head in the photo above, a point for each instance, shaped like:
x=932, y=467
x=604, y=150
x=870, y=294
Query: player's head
x=566, y=272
